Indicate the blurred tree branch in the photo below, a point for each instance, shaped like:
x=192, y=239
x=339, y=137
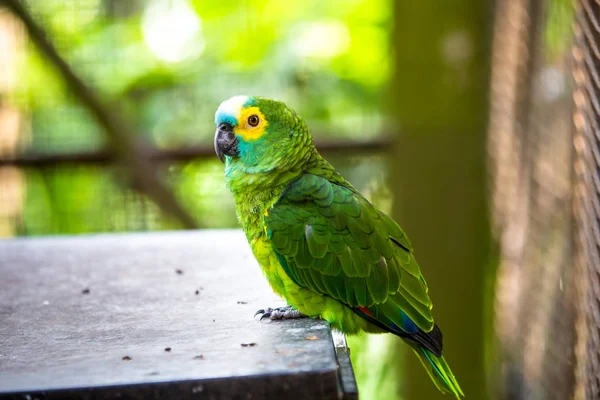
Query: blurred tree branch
x=187, y=153
x=128, y=147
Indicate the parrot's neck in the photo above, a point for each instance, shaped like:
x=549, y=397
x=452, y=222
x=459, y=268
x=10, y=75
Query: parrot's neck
x=251, y=206
x=255, y=191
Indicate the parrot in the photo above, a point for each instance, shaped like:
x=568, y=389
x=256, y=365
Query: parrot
x=321, y=245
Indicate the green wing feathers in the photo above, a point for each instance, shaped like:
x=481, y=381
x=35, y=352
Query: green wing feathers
x=333, y=241
x=330, y=239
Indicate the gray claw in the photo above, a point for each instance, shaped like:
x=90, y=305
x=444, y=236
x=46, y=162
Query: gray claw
x=265, y=315
x=287, y=312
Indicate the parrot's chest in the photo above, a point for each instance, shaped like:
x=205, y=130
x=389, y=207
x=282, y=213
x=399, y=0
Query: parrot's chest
x=265, y=255
x=251, y=208
x=270, y=265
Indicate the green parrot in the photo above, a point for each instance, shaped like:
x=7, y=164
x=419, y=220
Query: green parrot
x=321, y=245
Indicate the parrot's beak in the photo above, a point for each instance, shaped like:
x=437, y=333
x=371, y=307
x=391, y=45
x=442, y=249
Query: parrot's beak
x=225, y=142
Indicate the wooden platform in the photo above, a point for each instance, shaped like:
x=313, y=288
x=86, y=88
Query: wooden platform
x=154, y=315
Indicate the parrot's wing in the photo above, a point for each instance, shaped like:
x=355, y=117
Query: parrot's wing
x=332, y=240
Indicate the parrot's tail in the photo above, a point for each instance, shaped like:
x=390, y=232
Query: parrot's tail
x=439, y=371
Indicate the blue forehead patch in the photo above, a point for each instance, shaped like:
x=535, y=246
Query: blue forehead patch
x=221, y=118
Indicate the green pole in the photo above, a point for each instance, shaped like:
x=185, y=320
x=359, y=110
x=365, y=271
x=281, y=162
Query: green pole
x=439, y=102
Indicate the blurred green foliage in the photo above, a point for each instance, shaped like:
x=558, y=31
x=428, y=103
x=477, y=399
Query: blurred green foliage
x=558, y=28
x=169, y=63
x=166, y=65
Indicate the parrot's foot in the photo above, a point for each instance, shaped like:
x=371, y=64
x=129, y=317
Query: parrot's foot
x=287, y=312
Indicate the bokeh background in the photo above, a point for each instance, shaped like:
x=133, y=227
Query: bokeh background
x=458, y=117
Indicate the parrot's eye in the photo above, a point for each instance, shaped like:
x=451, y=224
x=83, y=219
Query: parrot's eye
x=253, y=120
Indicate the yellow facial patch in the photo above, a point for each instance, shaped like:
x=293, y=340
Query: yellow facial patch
x=247, y=131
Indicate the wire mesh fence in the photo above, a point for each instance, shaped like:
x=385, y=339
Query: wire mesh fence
x=544, y=104
x=586, y=120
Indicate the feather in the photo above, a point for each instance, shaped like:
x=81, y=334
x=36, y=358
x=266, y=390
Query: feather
x=347, y=262
x=315, y=248
x=377, y=282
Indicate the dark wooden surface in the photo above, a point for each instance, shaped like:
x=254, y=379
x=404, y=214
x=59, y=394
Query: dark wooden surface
x=72, y=308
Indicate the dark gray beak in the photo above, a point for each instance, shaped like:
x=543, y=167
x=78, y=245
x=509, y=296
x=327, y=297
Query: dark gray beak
x=225, y=142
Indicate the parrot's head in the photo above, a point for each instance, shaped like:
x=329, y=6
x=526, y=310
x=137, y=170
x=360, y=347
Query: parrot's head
x=257, y=135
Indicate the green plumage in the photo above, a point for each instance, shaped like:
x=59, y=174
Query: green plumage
x=321, y=244
x=346, y=238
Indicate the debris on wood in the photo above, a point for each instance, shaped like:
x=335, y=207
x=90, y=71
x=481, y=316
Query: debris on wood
x=167, y=349
x=248, y=344
x=242, y=302
x=126, y=358
x=314, y=337
x=85, y=291
x=179, y=271
x=199, y=357
x=287, y=352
